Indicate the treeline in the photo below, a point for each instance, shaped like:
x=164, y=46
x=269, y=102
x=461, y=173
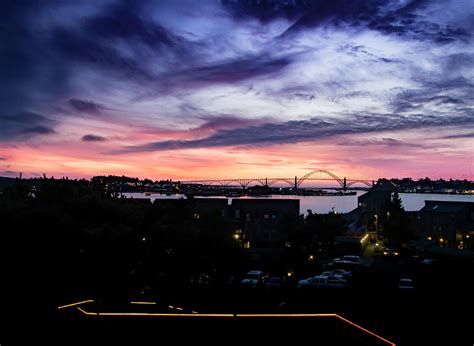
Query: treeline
x=428, y=184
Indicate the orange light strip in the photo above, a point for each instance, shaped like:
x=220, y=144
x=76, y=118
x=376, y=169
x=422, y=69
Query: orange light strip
x=86, y=312
x=74, y=304
x=286, y=315
x=150, y=314
x=195, y=314
x=144, y=303
x=365, y=330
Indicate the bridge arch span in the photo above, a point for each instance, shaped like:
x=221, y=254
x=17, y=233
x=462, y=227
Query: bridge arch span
x=353, y=182
x=332, y=175
x=276, y=180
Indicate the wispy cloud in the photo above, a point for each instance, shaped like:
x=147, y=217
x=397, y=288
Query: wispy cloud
x=459, y=135
x=93, y=138
x=21, y=125
x=86, y=106
x=309, y=130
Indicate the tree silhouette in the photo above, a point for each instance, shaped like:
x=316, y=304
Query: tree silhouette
x=395, y=223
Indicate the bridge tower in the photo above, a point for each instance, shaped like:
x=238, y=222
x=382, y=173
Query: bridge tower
x=266, y=182
x=296, y=182
x=344, y=184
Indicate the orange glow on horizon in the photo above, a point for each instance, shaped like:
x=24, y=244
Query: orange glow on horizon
x=84, y=160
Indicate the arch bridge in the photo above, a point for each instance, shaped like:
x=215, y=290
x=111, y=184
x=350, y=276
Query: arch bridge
x=295, y=182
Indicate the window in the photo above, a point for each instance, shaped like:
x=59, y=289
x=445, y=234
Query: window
x=237, y=213
x=265, y=216
x=274, y=217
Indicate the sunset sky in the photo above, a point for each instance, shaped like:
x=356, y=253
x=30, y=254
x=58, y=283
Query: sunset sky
x=222, y=89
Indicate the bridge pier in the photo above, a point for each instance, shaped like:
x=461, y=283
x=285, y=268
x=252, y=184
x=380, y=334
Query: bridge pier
x=296, y=182
x=344, y=184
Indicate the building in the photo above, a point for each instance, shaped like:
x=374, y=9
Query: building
x=372, y=204
x=206, y=205
x=450, y=224
x=260, y=223
x=257, y=224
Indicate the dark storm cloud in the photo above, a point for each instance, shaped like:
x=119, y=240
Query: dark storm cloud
x=2, y=159
x=307, y=13
x=46, y=46
x=123, y=21
x=80, y=48
x=232, y=71
x=389, y=17
x=22, y=125
x=306, y=130
x=86, y=106
x=93, y=138
x=27, y=69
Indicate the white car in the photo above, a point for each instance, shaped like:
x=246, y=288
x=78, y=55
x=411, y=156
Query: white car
x=342, y=272
x=323, y=281
x=406, y=285
x=253, y=278
x=348, y=259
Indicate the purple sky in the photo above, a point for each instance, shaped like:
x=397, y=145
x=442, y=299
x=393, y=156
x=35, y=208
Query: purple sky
x=190, y=89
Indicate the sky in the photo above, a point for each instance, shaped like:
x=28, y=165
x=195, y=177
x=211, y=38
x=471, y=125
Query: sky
x=237, y=89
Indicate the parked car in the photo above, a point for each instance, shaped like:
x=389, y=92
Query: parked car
x=406, y=285
x=427, y=261
x=323, y=281
x=274, y=282
x=342, y=272
x=348, y=259
x=390, y=252
x=253, y=278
